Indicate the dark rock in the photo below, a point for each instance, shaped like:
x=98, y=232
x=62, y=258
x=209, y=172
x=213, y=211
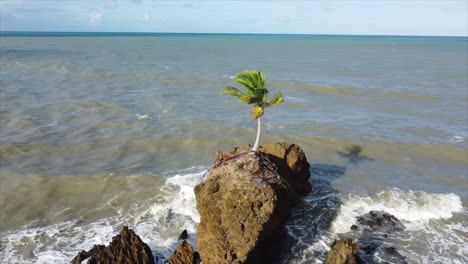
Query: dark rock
x=379, y=221
x=244, y=203
x=370, y=246
x=184, y=254
x=126, y=247
x=343, y=252
x=390, y=250
x=373, y=246
x=80, y=257
x=354, y=227
x=183, y=235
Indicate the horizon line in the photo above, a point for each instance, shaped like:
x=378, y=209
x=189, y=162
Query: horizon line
x=217, y=33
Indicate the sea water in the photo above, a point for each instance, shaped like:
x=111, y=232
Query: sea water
x=103, y=130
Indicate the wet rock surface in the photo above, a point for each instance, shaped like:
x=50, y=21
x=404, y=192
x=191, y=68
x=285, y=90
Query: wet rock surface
x=183, y=235
x=378, y=221
x=377, y=227
x=127, y=247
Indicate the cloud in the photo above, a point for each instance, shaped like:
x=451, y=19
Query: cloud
x=146, y=18
x=95, y=18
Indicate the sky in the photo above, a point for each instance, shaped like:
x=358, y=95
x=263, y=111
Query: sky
x=368, y=17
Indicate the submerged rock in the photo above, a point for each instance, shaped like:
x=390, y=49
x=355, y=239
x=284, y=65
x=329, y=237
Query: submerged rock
x=373, y=248
x=184, y=254
x=127, y=247
x=343, y=252
x=245, y=200
x=378, y=221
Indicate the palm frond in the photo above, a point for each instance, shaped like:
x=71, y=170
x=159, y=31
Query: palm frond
x=248, y=99
x=233, y=92
x=277, y=99
x=244, y=79
x=264, y=96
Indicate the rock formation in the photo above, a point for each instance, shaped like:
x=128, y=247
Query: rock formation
x=378, y=221
x=244, y=201
x=184, y=254
x=126, y=247
x=376, y=226
x=288, y=159
x=343, y=252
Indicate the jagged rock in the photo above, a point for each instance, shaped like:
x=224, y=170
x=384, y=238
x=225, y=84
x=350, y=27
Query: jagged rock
x=183, y=235
x=244, y=203
x=184, y=254
x=343, y=252
x=127, y=247
x=288, y=159
x=378, y=221
x=80, y=257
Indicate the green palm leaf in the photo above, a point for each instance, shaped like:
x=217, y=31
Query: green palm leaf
x=277, y=99
x=233, y=92
x=254, y=92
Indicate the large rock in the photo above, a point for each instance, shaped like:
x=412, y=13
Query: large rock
x=288, y=159
x=244, y=201
x=127, y=247
x=343, y=252
x=184, y=254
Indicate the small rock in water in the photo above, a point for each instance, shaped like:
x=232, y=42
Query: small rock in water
x=183, y=235
x=390, y=250
x=379, y=221
x=28, y=252
x=354, y=227
x=80, y=257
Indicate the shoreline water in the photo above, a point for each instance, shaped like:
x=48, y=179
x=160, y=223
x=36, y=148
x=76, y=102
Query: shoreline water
x=94, y=134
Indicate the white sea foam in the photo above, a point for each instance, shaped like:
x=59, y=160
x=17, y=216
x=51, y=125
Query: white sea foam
x=141, y=116
x=428, y=221
x=457, y=139
x=412, y=207
x=158, y=223
x=294, y=99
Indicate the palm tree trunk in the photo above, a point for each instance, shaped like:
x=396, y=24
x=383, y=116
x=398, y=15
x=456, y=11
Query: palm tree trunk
x=259, y=129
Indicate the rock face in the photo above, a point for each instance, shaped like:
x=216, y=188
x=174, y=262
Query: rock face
x=288, y=159
x=378, y=221
x=184, y=254
x=343, y=252
x=245, y=200
x=126, y=247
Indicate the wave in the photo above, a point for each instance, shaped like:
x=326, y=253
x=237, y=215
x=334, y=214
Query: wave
x=158, y=212
x=328, y=90
x=434, y=227
x=159, y=207
x=414, y=208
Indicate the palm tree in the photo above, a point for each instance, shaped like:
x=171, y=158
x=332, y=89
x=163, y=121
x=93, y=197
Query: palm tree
x=255, y=94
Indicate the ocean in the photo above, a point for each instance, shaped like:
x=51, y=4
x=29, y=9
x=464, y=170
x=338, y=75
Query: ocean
x=103, y=130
